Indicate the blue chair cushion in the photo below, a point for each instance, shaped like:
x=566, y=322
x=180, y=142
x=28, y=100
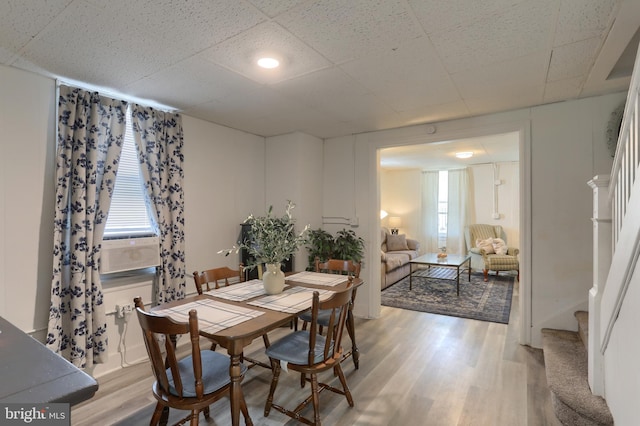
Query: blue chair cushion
x=323, y=316
x=294, y=348
x=215, y=373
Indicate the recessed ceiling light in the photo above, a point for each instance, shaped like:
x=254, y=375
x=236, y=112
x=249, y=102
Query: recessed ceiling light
x=268, y=62
x=464, y=154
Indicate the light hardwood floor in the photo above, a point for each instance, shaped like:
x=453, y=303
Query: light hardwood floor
x=415, y=369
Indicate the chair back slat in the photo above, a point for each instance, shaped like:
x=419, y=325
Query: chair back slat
x=338, y=305
x=338, y=266
x=213, y=278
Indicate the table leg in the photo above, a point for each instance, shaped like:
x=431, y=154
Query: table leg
x=351, y=329
x=235, y=389
x=410, y=275
x=469, y=269
x=458, y=282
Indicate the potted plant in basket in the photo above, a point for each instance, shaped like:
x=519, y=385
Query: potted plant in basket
x=272, y=240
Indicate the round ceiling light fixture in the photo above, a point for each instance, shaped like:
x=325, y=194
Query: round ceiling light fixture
x=464, y=154
x=268, y=62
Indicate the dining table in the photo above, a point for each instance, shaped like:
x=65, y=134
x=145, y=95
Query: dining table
x=236, y=315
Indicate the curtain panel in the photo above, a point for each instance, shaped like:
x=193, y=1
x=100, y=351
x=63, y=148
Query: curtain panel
x=429, y=214
x=458, y=212
x=90, y=136
x=159, y=140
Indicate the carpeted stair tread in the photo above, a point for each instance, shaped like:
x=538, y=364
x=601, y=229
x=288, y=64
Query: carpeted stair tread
x=566, y=367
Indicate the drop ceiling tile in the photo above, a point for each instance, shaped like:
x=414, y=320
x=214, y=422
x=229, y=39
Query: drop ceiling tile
x=194, y=25
x=506, y=77
x=240, y=53
x=438, y=15
x=74, y=46
x=407, y=77
x=275, y=7
x=342, y=30
x=582, y=19
x=572, y=60
x=192, y=81
x=22, y=20
x=434, y=113
x=520, y=30
x=563, y=89
x=487, y=105
x=334, y=91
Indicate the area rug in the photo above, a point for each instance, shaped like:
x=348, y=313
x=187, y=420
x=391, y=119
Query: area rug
x=484, y=301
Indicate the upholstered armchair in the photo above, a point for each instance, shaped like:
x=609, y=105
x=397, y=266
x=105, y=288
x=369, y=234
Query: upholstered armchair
x=489, y=250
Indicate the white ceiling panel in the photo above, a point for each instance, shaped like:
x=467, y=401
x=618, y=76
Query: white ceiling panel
x=439, y=16
x=347, y=66
x=520, y=30
x=240, y=54
x=407, y=77
x=572, y=60
x=511, y=76
x=342, y=30
x=583, y=19
x=275, y=7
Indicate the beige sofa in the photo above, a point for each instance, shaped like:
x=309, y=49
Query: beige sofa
x=396, y=251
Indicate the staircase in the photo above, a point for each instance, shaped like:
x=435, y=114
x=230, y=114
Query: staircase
x=565, y=357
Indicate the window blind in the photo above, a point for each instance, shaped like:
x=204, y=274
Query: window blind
x=128, y=216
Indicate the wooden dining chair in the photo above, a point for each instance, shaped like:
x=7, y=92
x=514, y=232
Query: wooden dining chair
x=191, y=383
x=310, y=353
x=332, y=266
x=214, y=278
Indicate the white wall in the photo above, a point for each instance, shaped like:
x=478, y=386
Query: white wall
x=27, y=111
x=293, y=171
x=563, y=146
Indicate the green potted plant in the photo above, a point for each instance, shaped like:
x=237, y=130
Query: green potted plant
x=319, y=243
x=346, y=245
x=272, y=241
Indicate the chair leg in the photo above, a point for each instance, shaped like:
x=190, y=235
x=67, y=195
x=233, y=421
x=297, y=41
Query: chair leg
x=486, y=275
x=275, y=367
x=345, y=387
x=157, y=413
x=315, y=399
x=205, y=410
x=194, y=417
x=303, y=380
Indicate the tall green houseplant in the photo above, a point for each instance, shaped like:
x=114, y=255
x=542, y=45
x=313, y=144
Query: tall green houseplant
x=345, y=245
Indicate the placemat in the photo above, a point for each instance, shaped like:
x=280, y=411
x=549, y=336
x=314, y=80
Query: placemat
x=293, y=300
x=213, y=316
x=317, y=278
x=239, y=292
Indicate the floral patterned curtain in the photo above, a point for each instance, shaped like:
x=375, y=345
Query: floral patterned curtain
x=90, y=135
x=158, y=137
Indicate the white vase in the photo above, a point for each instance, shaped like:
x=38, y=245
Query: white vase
x=273, y=279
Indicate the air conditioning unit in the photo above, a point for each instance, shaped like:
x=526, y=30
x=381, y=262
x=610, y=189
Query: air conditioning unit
x=130, y=253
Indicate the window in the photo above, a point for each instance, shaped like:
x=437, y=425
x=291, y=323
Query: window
x=128, y=215
x=443, y=204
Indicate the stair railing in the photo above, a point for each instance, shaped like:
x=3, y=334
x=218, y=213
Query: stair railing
x=623, y=192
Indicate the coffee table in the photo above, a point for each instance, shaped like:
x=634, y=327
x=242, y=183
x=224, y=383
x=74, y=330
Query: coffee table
x=448, y=268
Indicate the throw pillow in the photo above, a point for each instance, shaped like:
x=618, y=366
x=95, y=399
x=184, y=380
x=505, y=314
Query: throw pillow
x=499, y=246
x=486, y=245
x=397, y=242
